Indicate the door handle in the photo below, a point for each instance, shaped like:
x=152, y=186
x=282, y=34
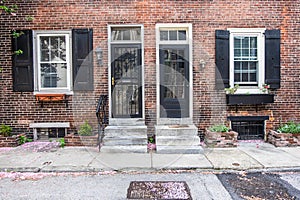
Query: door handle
x=112, y=81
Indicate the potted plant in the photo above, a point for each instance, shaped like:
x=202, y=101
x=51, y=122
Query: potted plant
x=6, y=139
x=220, y=135
x=265, y=88
x=85, y=129
x=85, y=137
x=151, y=143
x=232, y=90
x=5, y=130
x=286, y=135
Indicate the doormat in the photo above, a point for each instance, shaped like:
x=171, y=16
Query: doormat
x=159, y=190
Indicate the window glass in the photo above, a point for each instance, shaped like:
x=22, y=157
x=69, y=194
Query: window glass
x=53, y=62
x=245, y=60
x=126, y=33
x=172, y=35
x=163, y=35
x=182, y=35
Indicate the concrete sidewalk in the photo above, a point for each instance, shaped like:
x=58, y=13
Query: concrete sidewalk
x=248, y=156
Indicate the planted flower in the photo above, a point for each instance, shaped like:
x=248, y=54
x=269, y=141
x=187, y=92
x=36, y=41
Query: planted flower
x=265, y=88
x=286, y=135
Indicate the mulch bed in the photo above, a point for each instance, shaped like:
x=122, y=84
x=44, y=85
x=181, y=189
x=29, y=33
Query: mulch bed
x=255, y=186
x=159, y=190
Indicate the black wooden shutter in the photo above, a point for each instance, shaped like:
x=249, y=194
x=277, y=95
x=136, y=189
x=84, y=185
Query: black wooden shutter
x=272, y=58
x=222, y=59
x=82, y=41
x=22, y=63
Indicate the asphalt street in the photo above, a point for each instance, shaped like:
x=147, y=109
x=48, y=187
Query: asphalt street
x=114, y=185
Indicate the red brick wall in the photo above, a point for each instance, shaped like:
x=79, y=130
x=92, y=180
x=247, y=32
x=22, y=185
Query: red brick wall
x=20, y=109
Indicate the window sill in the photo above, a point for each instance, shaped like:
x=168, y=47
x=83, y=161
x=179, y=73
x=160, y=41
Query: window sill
x=249, y=99
x=49, y=92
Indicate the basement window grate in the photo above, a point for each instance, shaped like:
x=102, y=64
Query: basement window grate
x=47, y=133
x=249, y=128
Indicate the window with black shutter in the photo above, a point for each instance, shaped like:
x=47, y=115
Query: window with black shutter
x=249, y=58
x=22, y=63
x=52, y=61
x=272, y=58
x=82, y=59
x=222, y=59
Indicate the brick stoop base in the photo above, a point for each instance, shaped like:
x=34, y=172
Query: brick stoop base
x=284, y=139
x=77, y=140
x=221, y=139
x=8, y=141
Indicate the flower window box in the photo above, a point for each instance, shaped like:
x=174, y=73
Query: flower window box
x=51, y=98
x=249, y=99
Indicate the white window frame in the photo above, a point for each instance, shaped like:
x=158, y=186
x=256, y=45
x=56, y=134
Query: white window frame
x=189, y=41
x=37, y=71
x=251, y=32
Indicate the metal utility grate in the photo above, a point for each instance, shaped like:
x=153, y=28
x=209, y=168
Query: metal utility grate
x=249, y=130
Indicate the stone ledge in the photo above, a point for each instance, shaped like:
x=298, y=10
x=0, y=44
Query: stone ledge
x=284, y=139
x=77, y=140
x=221, y=139
x=11, y=141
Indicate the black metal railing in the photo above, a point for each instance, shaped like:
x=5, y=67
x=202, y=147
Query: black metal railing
x=101, y=117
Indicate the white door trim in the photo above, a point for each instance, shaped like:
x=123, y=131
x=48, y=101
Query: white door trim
x=189, y=41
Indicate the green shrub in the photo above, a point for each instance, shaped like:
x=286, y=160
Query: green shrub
x=151, y=139
x=290, y=127
x=85, y=129
x=5, y=130
x=219, y=128
x=23, y=139
x=62, y=142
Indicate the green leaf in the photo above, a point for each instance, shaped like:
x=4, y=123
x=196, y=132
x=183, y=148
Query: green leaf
x=18, y=52
x=290, y=127
x=16, y=34
x=219, y=128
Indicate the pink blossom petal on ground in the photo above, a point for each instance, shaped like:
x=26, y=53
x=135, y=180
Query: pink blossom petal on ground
x=6, y=149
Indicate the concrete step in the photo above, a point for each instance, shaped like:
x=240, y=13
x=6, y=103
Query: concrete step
x=125, y=138
x=115, y=131
x=176, y=130
x=179, y=149
x=180, y=141
x=132, y=140
x=124, y=149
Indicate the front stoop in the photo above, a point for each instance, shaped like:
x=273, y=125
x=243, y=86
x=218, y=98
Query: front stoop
x=177, y=139
x=124, y=139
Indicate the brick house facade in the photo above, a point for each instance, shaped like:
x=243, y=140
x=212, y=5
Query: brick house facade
x=151, y=29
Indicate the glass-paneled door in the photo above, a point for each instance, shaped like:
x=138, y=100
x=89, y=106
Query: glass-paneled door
x=126, y=78
x=174, y=81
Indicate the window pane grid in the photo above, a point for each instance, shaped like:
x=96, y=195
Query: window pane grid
x=245, y=60
x=126, y=34
x=245, y=72
x=53, y=62
x=245, y=48
x=173, y=35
